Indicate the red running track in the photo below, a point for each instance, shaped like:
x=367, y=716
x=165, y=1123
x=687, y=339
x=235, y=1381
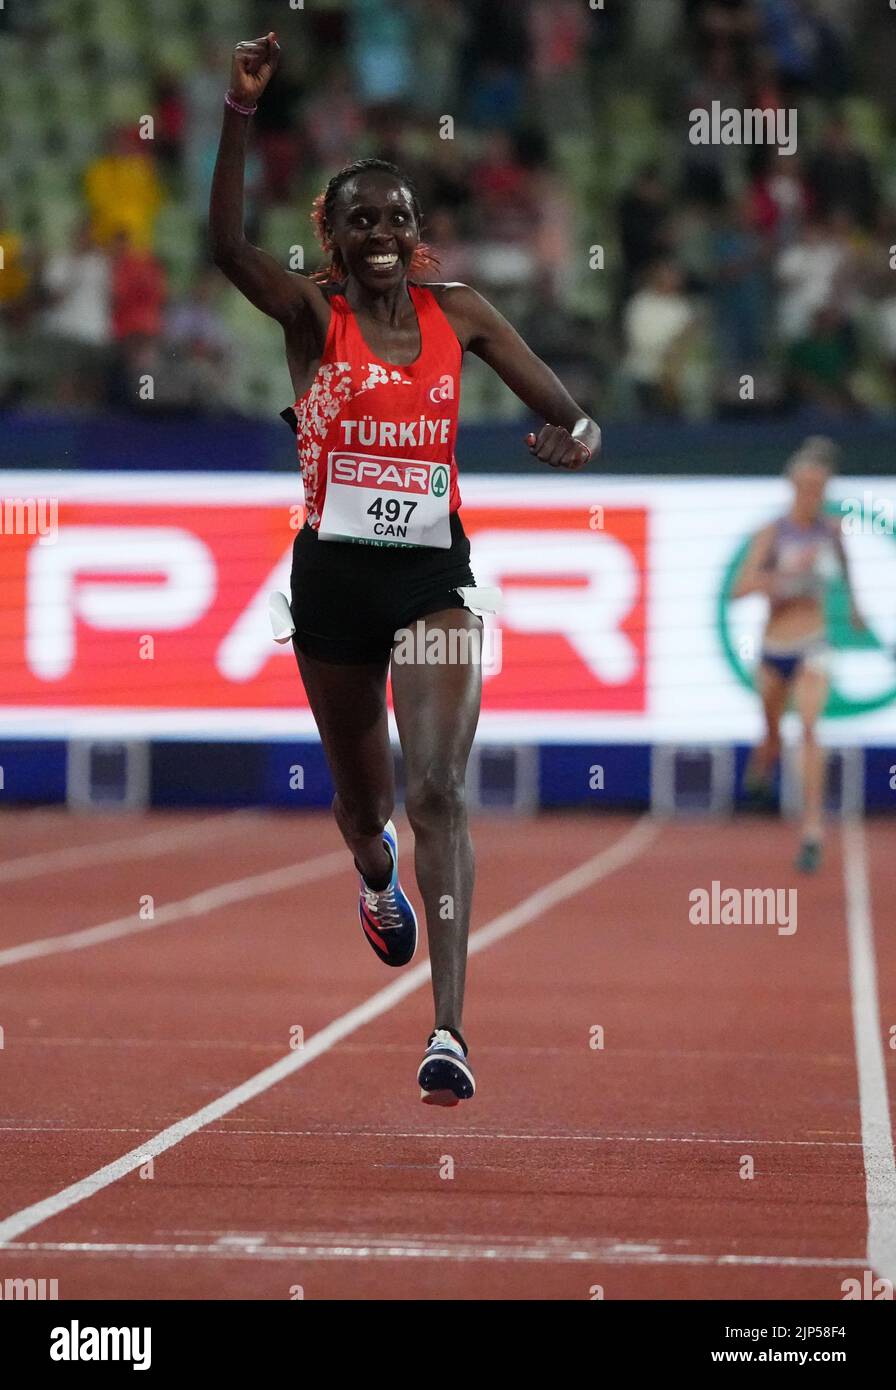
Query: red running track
x=576, y=1167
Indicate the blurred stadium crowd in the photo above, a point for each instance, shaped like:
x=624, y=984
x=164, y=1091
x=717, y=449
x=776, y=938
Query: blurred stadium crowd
x=570, y=133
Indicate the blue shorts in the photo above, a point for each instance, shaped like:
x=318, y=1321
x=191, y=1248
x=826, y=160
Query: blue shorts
x=788, y=664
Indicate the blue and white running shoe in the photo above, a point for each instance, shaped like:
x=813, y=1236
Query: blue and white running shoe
x=388, y=920
x=444, y=1074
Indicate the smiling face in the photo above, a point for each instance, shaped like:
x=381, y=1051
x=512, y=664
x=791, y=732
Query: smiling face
x=374, y=228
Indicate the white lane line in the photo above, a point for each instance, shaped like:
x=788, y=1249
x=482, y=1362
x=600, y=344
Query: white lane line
x=457, y=1135
x=874, y=1101
x=408, y=1049
x=128, y=847
x=551, y=1250
x=605, y=862
x=197, y=905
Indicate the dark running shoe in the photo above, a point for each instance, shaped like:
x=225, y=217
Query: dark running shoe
x=444, y=1074
x=387, y=918
x=759, y=793
x=809, y=857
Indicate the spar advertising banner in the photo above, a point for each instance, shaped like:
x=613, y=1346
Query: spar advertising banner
x=136, y=605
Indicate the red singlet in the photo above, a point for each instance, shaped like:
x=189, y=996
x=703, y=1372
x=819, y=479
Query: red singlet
x=366, y=422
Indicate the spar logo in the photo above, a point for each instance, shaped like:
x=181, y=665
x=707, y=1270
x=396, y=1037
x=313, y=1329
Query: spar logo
x=153, y=606
x=385, y=474
x=439, y=481
x=863, y=672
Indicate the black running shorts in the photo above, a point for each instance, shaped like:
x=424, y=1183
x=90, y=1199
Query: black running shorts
x=349, y=600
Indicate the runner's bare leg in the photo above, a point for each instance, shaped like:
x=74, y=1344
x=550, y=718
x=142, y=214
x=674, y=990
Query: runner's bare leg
x=437, y=710
x=349, y=707
x=810, y=694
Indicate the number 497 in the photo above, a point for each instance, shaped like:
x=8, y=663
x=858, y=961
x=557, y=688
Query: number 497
x=390, y=510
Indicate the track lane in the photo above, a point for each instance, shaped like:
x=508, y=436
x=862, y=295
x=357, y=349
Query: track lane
x=62, y=901
x=527, y=870
x=711, y=1038
x=34, y=839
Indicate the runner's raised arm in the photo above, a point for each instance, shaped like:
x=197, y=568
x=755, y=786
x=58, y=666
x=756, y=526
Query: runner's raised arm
x=278, y=292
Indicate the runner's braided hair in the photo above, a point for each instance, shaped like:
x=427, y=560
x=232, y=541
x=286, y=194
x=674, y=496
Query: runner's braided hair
x=322, y=208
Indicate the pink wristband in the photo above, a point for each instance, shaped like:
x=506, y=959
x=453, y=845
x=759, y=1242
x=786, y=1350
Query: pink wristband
x=235, y=106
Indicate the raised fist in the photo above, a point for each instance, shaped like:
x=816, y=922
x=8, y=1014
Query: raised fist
x=254, y=64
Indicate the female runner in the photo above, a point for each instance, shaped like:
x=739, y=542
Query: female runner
x=792, y=560
x=375, y=361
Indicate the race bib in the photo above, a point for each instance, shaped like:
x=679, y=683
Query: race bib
x=385, y=501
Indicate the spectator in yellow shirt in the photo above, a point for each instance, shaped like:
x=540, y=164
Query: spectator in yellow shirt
x=123, y=190
x=14, y=272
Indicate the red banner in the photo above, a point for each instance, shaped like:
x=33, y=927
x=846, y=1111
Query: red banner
x=163, y=606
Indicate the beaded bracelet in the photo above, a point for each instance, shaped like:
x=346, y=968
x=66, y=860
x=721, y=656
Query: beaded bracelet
x=235, y=106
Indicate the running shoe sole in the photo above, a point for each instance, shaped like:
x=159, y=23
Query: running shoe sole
x=445, y=1080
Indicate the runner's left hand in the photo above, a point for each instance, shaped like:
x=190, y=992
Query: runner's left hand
x=556, y=446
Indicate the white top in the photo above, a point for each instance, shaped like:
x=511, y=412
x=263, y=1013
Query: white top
x=653, y=322
x=82, y=313
x=807, y=276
